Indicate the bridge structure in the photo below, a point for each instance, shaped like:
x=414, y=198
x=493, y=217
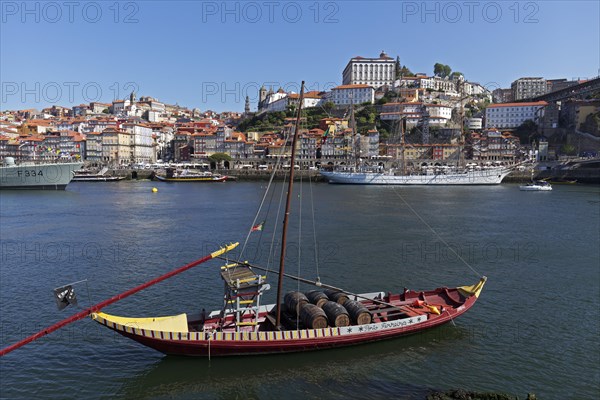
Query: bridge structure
x=578, y=91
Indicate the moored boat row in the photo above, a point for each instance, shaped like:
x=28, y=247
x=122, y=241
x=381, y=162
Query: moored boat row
x=186, y=175
x=101, y=176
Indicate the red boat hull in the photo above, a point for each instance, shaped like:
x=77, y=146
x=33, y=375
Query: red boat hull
x=451, y=302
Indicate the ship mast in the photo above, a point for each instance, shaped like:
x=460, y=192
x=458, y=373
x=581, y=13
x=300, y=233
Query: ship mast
x=353, y=148
x=402, y=160
x=287, y=209
x=461, y=146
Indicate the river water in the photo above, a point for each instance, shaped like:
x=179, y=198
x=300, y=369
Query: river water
x=534, y=329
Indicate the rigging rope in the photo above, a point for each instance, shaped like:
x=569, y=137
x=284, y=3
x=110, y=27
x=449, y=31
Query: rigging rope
x=312, y=207
x=299, y=242
x=435, y=233
x=260, y=207
x=258, y=212
x=272, y=247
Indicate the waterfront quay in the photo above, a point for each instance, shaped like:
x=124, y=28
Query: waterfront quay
x=582, y=171
x=239, y=174
x=257, y=175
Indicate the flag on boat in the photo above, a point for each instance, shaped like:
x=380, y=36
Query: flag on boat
x=258, y=227
x=64, y=296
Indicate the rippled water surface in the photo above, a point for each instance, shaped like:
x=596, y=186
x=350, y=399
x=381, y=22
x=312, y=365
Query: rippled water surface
x=535, y=328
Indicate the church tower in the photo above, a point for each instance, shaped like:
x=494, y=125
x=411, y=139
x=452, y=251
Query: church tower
x=262, y=96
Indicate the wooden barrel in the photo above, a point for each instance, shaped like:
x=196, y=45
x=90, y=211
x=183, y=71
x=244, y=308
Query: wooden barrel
x=294, y=301
x=313, y=316
x=317, y=298
x=337, y=315
x=337, y=296
x=359, y=315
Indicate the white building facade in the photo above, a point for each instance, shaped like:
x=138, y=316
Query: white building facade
x=474, y=123
x=512, y=115
x=438, y=84
x=375, y=72
x=346, y=95
x=439, y=115
x=141, y=141
x=525, y=88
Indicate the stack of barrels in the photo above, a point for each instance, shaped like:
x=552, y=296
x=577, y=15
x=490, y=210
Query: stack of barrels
x=319, y=310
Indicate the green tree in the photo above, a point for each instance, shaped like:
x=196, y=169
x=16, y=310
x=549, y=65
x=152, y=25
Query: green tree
x=441, y=70
x=398, y=69
x=438, y=69
x=406, y=72
x=219, y=157
x=447, y=70
x=568, y=149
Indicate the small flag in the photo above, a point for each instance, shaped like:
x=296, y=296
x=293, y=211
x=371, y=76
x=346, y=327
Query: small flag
x=65, y=296
x=258, y=227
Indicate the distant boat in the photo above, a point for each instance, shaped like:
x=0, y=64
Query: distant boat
x=437, y=175
x=36, y=176
x=492, y=176
x=175, y=175
x=536, y=186
x=88, y=176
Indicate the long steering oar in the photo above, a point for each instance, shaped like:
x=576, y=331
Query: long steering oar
x=99, y=306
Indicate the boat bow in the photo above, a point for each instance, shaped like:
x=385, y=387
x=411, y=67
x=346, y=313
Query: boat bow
x=175, y=323
x=473, y=290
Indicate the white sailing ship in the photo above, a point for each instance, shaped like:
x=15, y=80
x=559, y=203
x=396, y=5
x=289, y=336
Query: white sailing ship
x=358, y=176
x=469, y=174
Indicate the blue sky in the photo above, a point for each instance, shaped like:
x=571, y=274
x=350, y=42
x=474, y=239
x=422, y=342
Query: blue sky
x=211, y=54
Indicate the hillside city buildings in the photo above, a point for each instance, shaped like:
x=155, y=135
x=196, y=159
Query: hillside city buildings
x=142, y=131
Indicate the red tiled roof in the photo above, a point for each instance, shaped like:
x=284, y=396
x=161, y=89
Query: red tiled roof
x=526, y=104
x=357, y=86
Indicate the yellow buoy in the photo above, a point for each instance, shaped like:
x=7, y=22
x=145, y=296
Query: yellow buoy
x=154, y=190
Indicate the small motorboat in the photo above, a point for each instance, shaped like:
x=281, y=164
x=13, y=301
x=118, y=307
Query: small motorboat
x=536, y=186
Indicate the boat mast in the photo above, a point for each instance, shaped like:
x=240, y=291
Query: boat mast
x=461, y=147
x=353, y=148
x=287, y=208
x=402, y=161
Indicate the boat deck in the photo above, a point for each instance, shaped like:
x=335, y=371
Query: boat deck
x=399, y=306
